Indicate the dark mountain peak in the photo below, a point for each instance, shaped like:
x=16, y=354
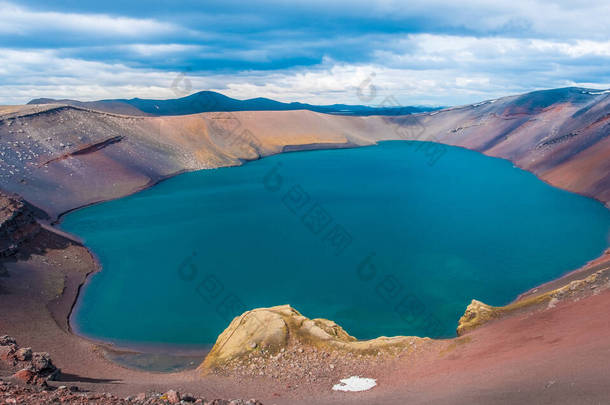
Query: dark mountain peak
x=48, y=101
x=209, y=101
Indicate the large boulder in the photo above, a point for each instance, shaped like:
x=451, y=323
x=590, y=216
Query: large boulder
x=24, y=354
x=7, y=354
x=6, y=340
x=27, y=376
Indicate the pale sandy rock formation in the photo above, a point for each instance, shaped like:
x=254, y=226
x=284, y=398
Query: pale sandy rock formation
x=478, y=313
x=270, y=330
x=263, y=332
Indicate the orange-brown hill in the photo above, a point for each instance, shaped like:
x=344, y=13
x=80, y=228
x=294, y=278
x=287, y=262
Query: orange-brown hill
x=60, y=157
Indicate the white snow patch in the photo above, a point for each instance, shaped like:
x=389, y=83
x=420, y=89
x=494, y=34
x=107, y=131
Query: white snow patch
x=597, y=93
x=484, y=102
x=355, y=384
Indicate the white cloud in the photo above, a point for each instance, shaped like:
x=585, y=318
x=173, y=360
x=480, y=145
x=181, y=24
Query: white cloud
x=573, y=49
x=419, y=69
x=551, y=19
x=495, y=48
x=158, y=50
x=21, y=21
x=428, y=50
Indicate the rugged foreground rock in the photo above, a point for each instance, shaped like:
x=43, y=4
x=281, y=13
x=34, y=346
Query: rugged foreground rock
x=30, y=367
x=11, y=393
x=31, y=370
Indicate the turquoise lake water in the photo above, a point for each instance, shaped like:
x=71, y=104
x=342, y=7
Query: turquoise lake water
x=377, y=239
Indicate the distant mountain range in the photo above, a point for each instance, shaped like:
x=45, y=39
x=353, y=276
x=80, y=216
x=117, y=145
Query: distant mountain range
x=210, y=101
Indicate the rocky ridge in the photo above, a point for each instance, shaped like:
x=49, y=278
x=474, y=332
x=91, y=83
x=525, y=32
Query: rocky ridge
x=17, y=224
x=477, y=313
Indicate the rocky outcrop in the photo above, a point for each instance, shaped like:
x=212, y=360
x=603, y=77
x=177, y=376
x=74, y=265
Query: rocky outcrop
x=17, y=224
x=272, y=331
x=31, y=367
x=478, y=313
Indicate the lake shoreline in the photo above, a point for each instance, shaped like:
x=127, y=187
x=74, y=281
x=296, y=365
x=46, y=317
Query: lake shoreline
x=408, y=153
x=163, y=348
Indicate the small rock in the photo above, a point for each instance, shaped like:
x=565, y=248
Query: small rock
x=42, y=361
x=24, y=354
x=172, y=396
x=188, y=398
x=25, y=376
x=7, y=353
x=7, y=341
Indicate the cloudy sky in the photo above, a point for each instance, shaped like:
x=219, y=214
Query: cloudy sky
x=359, y=52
